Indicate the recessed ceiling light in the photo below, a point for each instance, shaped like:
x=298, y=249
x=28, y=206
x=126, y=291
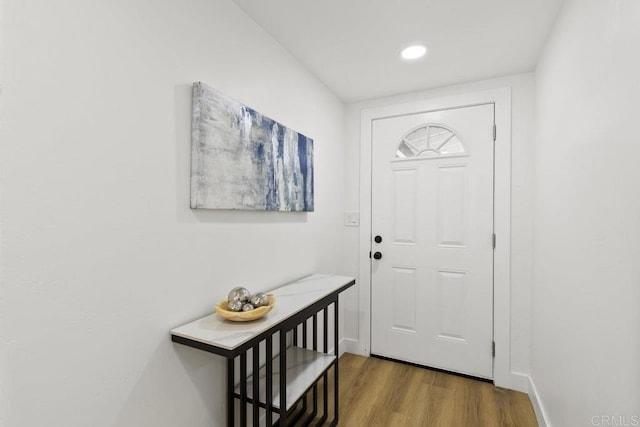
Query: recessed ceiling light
x=414, y=52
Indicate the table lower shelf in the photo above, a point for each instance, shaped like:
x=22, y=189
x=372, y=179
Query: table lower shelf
x=304, y=368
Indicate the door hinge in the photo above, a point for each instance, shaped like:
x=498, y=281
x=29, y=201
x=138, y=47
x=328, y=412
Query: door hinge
x=369, y=254
x=495, y=132
x=493, y=240
x=493, y=348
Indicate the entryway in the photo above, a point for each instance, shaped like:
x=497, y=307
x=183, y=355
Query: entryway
x=455, y=237
x=432, y=228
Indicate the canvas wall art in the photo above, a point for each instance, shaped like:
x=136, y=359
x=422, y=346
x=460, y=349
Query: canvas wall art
x=241, y=159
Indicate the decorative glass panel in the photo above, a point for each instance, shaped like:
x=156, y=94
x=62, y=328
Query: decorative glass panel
x=430, y=141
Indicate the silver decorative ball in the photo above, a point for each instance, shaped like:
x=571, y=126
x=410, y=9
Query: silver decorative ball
x=247, y=307
x=239, y=294
x=235, y=305
x=259, y=299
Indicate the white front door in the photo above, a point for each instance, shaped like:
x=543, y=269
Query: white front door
x=432, y=239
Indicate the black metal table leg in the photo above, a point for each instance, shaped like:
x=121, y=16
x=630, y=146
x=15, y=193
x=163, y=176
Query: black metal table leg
x=243, y=389
x=335, y=366
x=304, y=344
x=315, y=348
x=269, y=380
x=255, y=354
x=283, y=378
x=325, y=342
x=230, y=389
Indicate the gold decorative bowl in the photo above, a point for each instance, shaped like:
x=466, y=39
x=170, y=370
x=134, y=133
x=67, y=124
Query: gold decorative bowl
x=244, y=316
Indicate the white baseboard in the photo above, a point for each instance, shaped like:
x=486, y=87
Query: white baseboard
x=541, y=415
x=519, y=382
x=349, y=345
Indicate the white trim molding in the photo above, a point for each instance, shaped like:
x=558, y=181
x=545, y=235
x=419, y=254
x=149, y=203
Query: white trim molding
x=519, y=382
x=501, y=98
x=541, y=415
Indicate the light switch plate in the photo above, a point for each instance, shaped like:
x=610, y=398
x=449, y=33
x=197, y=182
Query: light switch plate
x=352, y=219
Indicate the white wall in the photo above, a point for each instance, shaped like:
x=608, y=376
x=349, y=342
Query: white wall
x=522, y=87
x=586, y=299
x=100, y=254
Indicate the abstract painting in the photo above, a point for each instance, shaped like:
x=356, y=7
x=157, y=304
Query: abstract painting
x=241, y=159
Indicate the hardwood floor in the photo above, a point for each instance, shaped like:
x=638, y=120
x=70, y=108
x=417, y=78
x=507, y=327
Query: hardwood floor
x=376, y=392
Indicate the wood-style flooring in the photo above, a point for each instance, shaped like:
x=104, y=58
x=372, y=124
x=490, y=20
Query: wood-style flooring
x=376, y=392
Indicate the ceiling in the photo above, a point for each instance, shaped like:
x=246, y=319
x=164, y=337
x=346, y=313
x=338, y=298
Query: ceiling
x=353, y=46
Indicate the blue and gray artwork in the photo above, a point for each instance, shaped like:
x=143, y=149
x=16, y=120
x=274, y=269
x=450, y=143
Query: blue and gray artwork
x=241, y=159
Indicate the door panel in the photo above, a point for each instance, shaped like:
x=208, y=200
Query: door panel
x=451, y=205
x=404, y=284
x=404, y=206
x=432, y=202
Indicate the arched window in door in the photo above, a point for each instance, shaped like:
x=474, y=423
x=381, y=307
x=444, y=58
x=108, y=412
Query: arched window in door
x=430, y=141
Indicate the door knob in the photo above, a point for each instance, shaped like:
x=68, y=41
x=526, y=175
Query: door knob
x=377, y=255
x=378, y=239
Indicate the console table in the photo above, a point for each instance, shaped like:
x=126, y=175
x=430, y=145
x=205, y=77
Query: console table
x=282, y=348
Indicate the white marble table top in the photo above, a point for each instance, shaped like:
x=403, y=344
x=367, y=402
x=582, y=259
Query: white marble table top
x=290, y=299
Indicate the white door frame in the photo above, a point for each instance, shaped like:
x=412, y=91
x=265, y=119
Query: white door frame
x=502, y=217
